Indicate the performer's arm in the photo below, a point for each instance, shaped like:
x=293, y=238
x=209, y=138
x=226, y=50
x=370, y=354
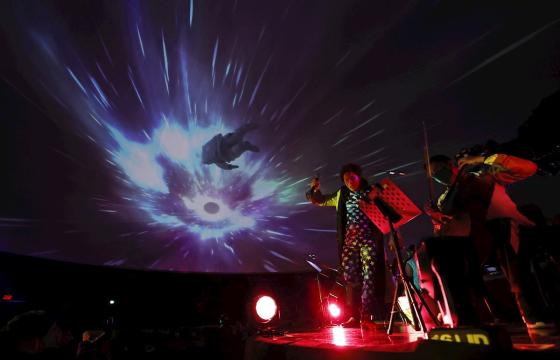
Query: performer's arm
x=316, y=197
x=506, y=169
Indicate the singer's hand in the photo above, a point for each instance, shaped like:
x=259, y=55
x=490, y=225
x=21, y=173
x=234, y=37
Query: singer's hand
x=315, y=184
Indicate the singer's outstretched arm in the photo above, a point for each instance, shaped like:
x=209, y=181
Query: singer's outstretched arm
x=317, y=198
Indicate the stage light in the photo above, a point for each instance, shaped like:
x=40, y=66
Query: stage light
x=266, y=316
x=333, y=307
x=112, y=302
x=334, y=310
x=265, y=308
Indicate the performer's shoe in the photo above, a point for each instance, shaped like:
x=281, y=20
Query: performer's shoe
x=352, y=322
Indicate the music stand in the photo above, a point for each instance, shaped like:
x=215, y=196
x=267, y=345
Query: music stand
x=389, y=208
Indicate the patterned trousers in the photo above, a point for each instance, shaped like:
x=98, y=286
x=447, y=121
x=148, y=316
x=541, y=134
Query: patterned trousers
x=358, y=267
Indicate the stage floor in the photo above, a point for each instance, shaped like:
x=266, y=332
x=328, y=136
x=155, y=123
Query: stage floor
x=359, y=343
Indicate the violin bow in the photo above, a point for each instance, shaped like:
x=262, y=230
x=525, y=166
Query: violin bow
x=427, y=165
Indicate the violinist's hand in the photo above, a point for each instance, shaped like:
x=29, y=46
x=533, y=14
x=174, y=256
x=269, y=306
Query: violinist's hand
x=440, y=218
x=470, y=160
x=436, y=215
x=429, y=208
x=315, y=184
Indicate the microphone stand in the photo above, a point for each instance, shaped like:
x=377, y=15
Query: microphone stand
x=324, y=300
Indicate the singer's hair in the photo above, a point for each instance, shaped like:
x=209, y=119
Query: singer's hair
x=357, y=169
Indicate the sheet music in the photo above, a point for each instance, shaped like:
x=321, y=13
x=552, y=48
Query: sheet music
x=396, y=198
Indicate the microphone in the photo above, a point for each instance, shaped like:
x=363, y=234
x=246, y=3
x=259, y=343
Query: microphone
x=316, y=178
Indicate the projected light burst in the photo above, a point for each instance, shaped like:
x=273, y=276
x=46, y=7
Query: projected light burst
x=158, y=160
x=169, y=164
x=139, y=101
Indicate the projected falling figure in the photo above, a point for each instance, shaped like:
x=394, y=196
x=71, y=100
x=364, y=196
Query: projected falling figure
x=223, y=149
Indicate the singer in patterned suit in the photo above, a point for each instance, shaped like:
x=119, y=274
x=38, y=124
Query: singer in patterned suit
x=360, y=244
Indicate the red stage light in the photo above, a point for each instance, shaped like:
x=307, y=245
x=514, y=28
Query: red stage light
x=8, y=297
x=334, y=310
x=266, y=308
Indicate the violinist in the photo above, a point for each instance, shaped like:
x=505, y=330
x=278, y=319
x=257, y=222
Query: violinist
x=475, y=206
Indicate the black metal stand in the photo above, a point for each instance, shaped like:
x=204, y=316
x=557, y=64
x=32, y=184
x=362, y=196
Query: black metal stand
x=311, y=260
x=320, y=290
x=409, y=289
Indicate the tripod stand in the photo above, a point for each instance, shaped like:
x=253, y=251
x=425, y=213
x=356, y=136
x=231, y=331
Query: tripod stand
x=417, y=320
x=410, y=291
x=385, y=216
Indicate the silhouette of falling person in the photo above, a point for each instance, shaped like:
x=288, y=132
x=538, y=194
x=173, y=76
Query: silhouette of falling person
x=223, y=149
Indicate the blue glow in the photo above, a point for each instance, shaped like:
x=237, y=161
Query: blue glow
x=142, y=164
x=149, y=111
